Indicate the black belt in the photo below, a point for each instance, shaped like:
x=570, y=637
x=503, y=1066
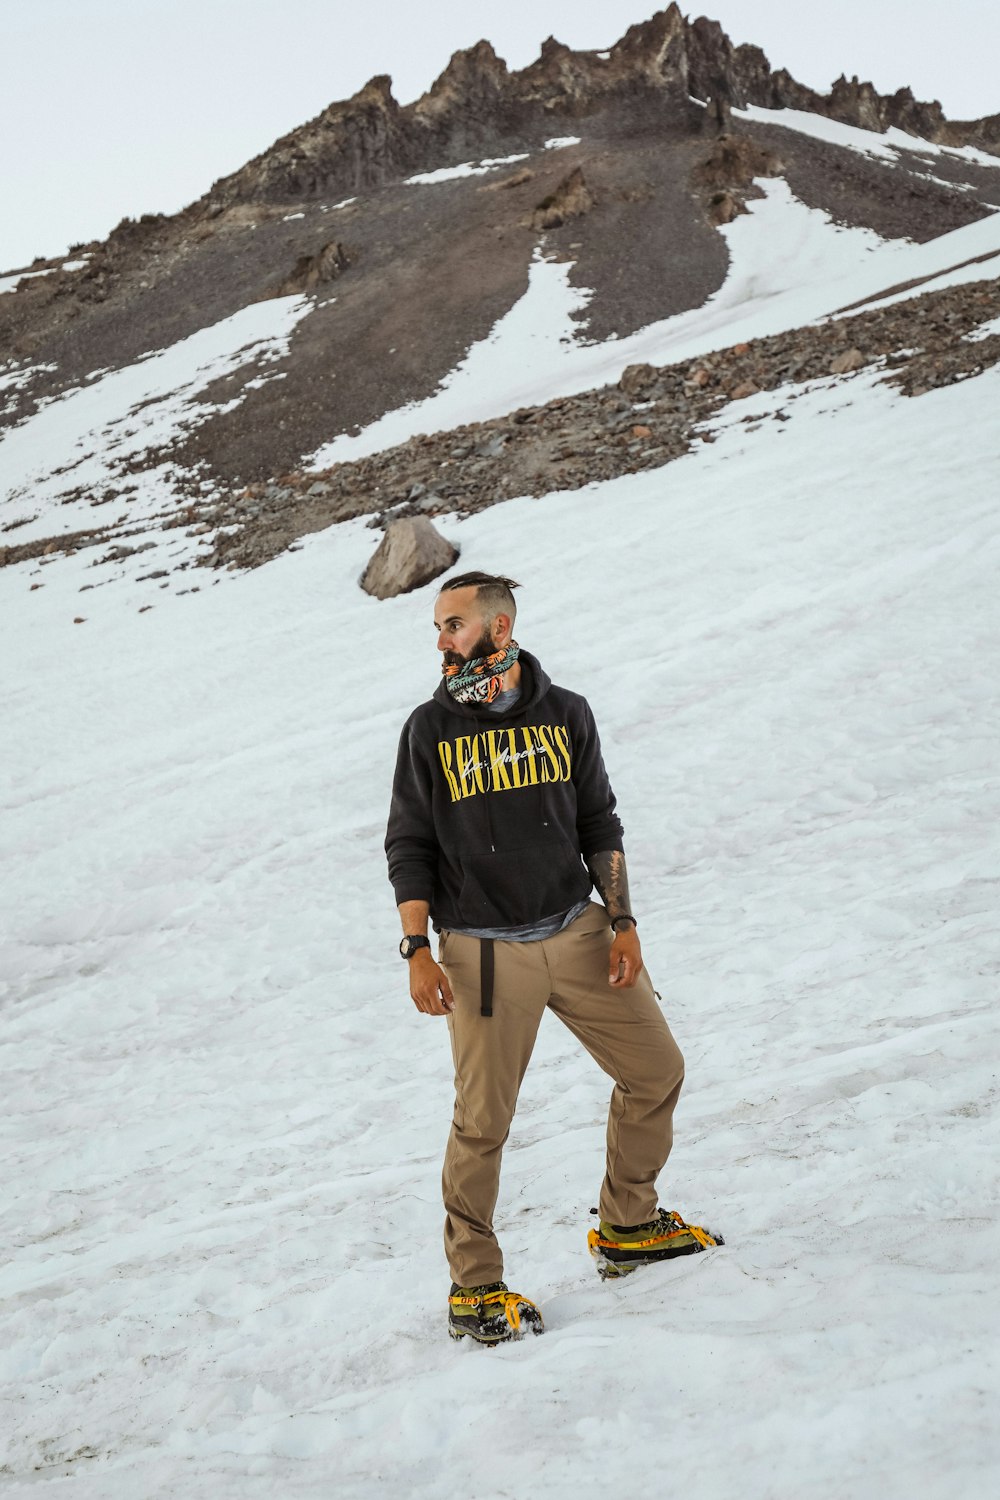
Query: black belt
x=485, y=976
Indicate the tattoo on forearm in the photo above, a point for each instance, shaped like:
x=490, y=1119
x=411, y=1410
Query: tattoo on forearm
x=611, y=878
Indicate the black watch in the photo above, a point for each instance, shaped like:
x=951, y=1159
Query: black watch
x=409, y=945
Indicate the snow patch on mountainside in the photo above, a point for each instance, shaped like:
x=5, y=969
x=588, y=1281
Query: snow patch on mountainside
x=85, y=440
x=985, y=331
x=466, y=169
x=884, y=147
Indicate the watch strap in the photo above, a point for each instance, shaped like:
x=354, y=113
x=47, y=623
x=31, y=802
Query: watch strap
x=412, y=943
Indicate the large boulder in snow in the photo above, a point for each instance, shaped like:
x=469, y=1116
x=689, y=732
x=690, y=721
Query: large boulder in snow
x=411, y=553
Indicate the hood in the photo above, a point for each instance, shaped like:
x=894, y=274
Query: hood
x=535, y=683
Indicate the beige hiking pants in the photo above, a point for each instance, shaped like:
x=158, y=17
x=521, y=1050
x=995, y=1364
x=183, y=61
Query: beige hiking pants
x=623, y=1030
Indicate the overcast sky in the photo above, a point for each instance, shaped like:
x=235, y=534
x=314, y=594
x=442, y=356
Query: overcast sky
x=121, y=107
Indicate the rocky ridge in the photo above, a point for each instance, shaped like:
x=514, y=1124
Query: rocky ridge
x=477, y=103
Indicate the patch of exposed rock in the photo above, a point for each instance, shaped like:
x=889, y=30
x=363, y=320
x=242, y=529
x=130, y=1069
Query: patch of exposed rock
x=314, y=271
x=570, y=200
x=725, y=177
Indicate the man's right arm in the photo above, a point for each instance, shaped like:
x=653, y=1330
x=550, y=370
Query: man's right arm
x=411, y=849
x=411, y=845
x=429, y=987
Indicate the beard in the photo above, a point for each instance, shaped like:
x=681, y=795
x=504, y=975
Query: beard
x=485, y=646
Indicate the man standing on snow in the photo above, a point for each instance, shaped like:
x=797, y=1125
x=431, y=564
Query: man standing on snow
x=502, y=822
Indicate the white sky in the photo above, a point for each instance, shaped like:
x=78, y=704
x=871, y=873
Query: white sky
x=115, y=107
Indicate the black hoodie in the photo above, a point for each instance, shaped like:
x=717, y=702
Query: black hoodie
x=493, y=814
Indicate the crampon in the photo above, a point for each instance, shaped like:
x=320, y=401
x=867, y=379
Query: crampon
x=619, y=1249
x=491, y=1314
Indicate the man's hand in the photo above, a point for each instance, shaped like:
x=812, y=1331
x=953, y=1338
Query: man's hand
x=429, y=987
x=625, y=959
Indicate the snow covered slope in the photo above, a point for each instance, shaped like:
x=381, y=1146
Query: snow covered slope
x=223, y=1119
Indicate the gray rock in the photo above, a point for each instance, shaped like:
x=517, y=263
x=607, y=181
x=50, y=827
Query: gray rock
x=843, y=364
x=571, y=199
x=411, y=553
x=636, y=378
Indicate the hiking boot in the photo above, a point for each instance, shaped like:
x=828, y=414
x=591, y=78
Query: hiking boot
x=619, y=1248
x=490, y=1314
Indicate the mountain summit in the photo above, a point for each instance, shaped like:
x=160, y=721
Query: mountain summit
x=477, y=107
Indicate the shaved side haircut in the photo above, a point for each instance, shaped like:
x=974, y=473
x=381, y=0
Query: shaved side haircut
x=493, y=593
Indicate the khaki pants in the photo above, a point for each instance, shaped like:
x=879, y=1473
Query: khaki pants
x=623, y=1030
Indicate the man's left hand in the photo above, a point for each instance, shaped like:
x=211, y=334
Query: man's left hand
x=625, y=959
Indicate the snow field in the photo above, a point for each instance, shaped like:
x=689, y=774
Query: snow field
x=224, y=1119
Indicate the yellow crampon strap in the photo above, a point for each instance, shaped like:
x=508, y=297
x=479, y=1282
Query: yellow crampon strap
x=702, y=1236
x=510, y=1302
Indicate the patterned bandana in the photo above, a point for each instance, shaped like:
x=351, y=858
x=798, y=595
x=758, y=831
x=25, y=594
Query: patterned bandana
x=479, y=680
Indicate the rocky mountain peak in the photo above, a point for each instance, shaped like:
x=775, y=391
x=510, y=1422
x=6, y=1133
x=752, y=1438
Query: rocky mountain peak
x=656, y=51
x=472, y=77
x=647, y=43
x=561, y=79
x=377, y=91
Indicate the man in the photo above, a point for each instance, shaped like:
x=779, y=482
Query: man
x=502, y=822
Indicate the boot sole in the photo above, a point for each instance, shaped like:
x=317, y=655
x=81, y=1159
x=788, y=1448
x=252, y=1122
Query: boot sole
x=489, y=1341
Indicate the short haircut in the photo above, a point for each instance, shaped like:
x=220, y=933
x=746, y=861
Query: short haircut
x=493, y=593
